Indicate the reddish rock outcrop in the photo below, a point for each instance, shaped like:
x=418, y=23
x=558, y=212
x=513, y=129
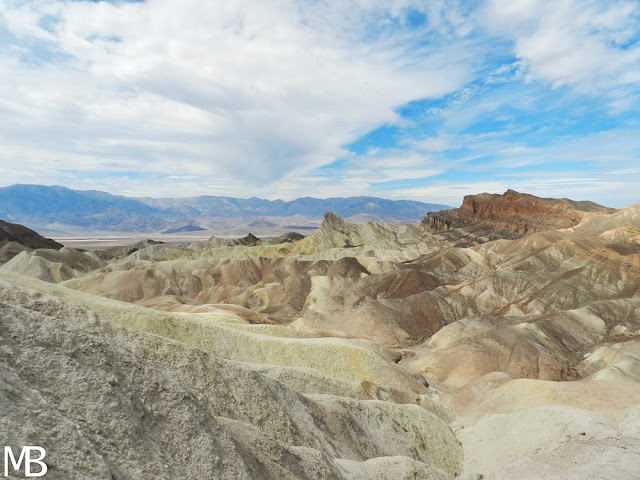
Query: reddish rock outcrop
x=487, y=216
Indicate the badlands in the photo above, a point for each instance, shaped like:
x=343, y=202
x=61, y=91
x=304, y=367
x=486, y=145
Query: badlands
x=499, y=340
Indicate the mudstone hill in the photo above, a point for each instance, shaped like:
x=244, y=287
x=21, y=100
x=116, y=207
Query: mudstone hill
x=498, y=340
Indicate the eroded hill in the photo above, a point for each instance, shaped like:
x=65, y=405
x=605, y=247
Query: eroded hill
x=486, y=217
x=514, y=319
x=16, y=238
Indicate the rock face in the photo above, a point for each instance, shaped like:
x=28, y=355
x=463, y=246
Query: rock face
x=510, y=215
x=108, y=402
x=249, y=239
x=334, y=232
x=287, y=238
x=123, y=251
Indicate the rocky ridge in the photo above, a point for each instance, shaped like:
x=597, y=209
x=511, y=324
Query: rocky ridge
x=486, y=217
x=16, y=238
x=526, y=342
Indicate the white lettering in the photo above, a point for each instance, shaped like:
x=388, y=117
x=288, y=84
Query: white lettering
x=8, y=454
x=25, y=455
x=27, y=467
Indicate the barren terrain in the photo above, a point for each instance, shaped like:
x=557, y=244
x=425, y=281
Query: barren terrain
x=500, y=340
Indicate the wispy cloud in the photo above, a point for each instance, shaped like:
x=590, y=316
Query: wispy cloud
x=589, y=44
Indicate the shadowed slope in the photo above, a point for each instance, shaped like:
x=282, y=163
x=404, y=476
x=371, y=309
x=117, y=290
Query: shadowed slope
x=16, y=238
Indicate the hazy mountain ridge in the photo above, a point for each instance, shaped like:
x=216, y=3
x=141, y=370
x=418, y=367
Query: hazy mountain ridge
x=40, y=206
x=309, y=206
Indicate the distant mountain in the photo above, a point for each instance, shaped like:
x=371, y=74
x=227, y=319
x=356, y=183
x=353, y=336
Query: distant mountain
x=47, y=207
x=209, y=206
x=38, y=206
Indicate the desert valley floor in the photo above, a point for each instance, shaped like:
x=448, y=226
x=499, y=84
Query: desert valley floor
x=499, y=340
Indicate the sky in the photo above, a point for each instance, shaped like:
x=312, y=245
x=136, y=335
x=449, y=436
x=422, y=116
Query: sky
x=402, y=99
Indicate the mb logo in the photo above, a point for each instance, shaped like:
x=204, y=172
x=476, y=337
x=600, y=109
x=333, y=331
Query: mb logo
x=29, y=456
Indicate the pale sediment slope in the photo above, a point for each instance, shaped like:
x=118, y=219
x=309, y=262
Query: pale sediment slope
x=301, y=280
x=53, y=265
x=523, y=428
x=346, y=359
x=556, y=442
x=109, y=402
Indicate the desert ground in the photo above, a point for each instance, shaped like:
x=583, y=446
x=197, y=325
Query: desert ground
x=499, y=340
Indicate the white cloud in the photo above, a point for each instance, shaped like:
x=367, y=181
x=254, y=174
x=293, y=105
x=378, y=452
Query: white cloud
x=247, y=89
x=571, y=42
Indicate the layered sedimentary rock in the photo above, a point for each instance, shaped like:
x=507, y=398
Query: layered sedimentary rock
x=518, y=326
x=123, y=251
x=288, y=237
x=486, y=217
x=213, y=242
x=53, y=265
x=108, y=401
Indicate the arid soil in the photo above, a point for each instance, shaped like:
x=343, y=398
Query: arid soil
x=500, y=340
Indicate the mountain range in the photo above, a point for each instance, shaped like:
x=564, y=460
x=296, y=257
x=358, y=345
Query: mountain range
x=56, y=208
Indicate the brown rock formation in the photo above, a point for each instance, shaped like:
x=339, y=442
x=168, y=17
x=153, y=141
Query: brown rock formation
x=487, y=216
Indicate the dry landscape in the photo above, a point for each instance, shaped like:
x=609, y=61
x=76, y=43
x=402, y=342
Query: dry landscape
x=499, y=340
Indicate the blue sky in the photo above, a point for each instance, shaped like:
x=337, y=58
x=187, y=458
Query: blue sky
x=424, y=100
